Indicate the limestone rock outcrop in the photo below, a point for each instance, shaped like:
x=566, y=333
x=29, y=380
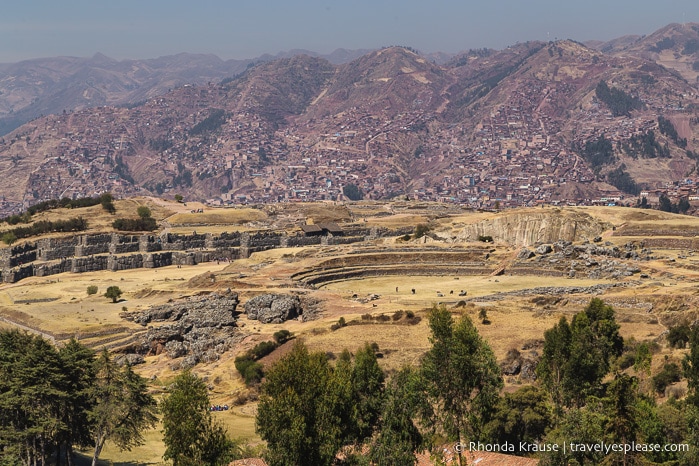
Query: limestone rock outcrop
x=195, y=329
x=529, y=228
x=273, y=308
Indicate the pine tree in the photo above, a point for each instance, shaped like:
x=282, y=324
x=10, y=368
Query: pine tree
x=552, y=368
x=462, y=376
x=33, y=390
x=190, y=434
x=367, y=388
x=122, y=406
x=296, y=411
x=79, y=369
x=398, y=437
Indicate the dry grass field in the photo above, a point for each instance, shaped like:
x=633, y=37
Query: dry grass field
x=60, y=304
x=100, y=220
x=217, y=217
x=645, y=308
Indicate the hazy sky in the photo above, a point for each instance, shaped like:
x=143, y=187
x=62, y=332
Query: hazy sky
x=249, y=28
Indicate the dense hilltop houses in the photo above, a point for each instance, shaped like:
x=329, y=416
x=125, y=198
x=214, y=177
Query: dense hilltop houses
x=209, y=142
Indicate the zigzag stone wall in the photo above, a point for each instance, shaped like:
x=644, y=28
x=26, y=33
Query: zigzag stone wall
x=86, y=253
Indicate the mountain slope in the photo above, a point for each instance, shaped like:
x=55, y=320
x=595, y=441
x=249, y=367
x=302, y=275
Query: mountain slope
x=675, y=46
x=536, y=122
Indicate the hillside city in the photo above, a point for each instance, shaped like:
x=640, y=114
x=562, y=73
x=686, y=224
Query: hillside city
x=288, y=131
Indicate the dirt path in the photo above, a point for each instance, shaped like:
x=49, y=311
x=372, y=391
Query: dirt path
x=29, y=329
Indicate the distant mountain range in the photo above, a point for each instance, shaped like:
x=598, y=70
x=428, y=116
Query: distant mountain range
x=43, y=86
x=536, y=122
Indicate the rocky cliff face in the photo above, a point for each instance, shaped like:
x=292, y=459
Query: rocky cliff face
x=531, y=228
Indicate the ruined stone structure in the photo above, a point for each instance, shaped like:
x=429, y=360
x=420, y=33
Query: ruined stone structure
x=113, y=251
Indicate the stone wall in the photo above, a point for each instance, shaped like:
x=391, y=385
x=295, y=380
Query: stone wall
x=155, y=260
x=114, y=251
x=124, y=248
x=360, y=272
x=228, y=253
x=25, y=257
x=92, y=240
x=134, y=261
x=382, y=232
x=56, y=248
x=18, y=255
x=91, y=250
x=357, y=231
x=335, y=240
x=88, y=264
x=671, y=243
x=18, y=273
x=52, y=268
x=226, y=240
x=624, y=231
x=172, y=242
x=300, y=240
x=150, y=243
x=261, y=239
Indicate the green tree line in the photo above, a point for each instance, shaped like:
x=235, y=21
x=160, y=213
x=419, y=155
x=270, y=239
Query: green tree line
x=52, y=400
x=591, y=387
x=45, y=226
x=619, y=102
x=52, y=204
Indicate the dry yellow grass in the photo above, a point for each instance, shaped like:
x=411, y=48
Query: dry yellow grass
x=218, y=216
x=72, y=310
x=427, y=287
x=97, y=218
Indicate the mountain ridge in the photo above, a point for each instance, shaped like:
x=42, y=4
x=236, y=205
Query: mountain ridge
x=512, y=127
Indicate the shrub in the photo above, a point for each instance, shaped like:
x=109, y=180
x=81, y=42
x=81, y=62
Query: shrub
x=367, y=316
x=678, y=336
x=483, y=315
x=421, y=230
x=282, y=336
x=107, y=202
x=242, y=362
x=626, y=360
x=9, y=238
x=45, y=226
x=262, y=349
x=670, y=374
x=251, y=371
x=353, y=192
x=339, y=324
x=143, y=212
x=383, y=318
x=398, y=315
x=413, y=320
x=140, y=224
x=92, y=289
x=409, y=314
x=253, y=374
